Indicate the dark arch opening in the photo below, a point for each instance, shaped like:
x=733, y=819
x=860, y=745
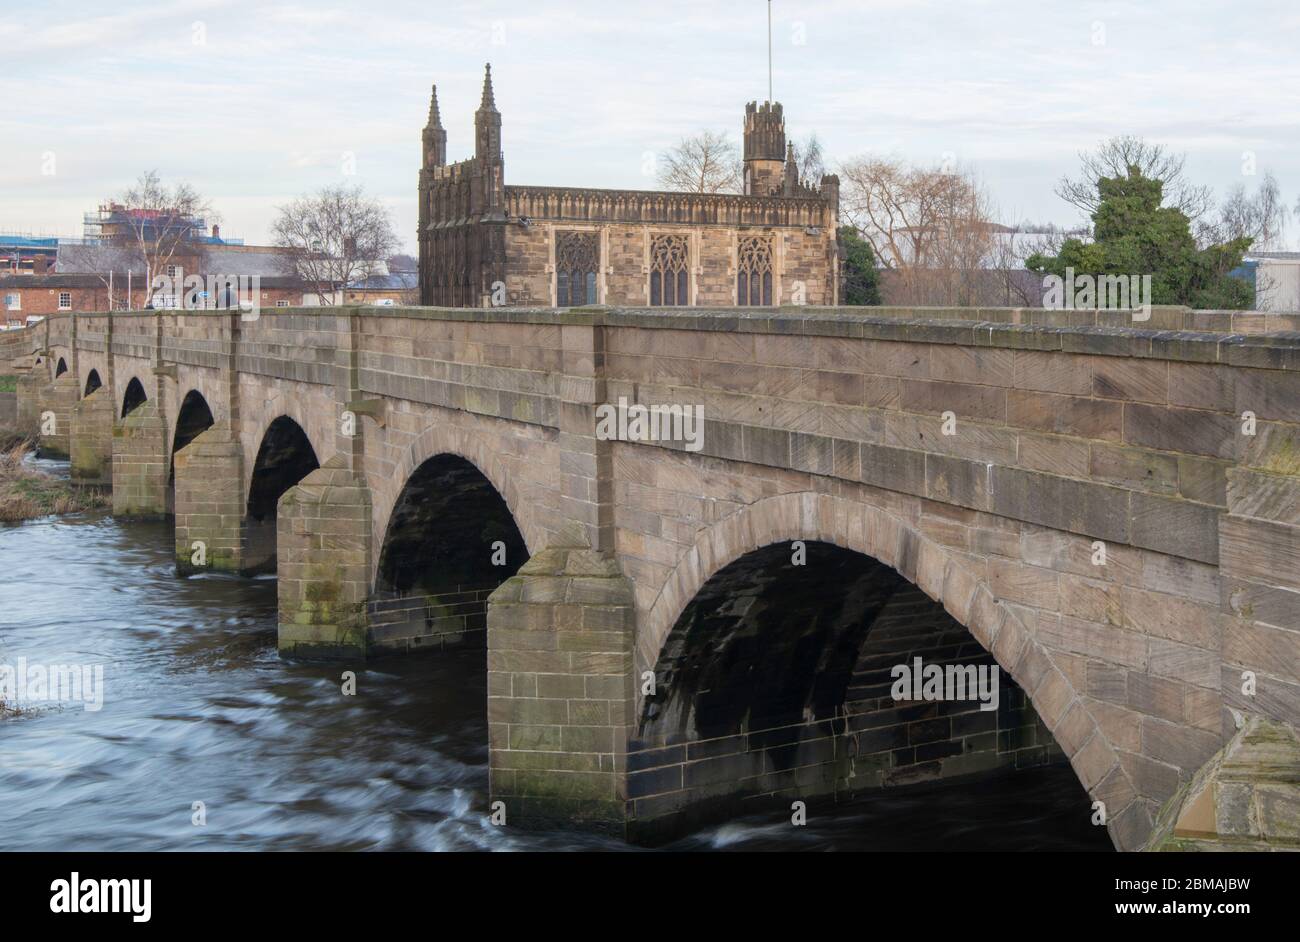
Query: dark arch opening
x=60, y=368
x=192, y=421
x=92, y=382
x=284, y=458
x=786, y=676
x=451, y=540
x=134, y=397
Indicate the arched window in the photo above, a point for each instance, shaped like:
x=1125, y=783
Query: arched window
x=754, y=272
x=577, y=259
x=668, y=275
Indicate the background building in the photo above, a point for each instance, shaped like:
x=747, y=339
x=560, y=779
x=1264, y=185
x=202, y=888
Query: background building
x=1276, y=277
x=568, y=246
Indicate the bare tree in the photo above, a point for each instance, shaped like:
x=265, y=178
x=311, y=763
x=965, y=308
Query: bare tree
x=707, y=163
x=809, y=156
x=159, y=223
x=933, y=229
x=1261, y=217
x=333, y=238
x=1012, y=284
x=1113, y=157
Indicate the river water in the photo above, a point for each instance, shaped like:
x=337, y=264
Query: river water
x=199, y=707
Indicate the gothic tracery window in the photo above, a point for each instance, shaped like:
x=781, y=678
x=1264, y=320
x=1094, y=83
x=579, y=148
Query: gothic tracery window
x=668, y=270
x=754, y=271
x=577, y=259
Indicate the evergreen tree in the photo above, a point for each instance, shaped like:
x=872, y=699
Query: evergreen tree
x=861, y=280
x=1134, y=235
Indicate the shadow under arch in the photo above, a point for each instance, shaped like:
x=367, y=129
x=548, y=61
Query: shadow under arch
x=284, y=457
x=60, y=368
x=440, y=438
x=941, y=575
x=192, y=420
x=450, y=540
x=93, y=382
x=134, y=397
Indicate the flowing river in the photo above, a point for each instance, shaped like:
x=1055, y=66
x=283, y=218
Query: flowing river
x=199, y=707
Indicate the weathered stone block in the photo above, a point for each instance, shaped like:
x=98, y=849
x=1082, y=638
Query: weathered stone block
x=323, y=592
x=577, y=702
x=91, y=444
x=141, y=457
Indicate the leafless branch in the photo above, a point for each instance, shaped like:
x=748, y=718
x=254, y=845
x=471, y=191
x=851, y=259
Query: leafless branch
x=333, y=238
x=706, y=163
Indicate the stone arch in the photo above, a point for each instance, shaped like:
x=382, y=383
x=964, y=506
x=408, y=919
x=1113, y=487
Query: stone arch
x=284, y=457
x=207, y=384
x=93, y=382
x=262, y=405
x=133, y=397
x=442, y=439
x=193, y=417
x=945, y=576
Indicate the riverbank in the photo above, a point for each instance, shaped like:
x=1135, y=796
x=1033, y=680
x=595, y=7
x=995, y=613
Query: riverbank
x=27, y=492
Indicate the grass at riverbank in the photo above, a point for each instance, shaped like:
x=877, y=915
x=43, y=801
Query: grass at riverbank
x=27, y=492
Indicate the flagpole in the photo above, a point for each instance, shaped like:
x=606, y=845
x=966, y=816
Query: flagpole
x=769, y=50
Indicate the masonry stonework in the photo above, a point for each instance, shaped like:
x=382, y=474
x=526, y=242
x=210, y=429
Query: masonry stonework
x=209, y=502
x=92, y=438
x=1102, y=522
x=140, y=463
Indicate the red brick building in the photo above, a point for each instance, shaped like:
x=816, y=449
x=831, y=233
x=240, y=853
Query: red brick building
x=23, y=296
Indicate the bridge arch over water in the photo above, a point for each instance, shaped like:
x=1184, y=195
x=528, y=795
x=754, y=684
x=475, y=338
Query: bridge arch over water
x=857, y=615
x=284, y=457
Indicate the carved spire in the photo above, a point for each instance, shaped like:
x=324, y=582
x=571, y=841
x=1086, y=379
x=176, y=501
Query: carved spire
x=790, y=183
x=435, y=118
x=488, y=103
x=434, y=138
x=487, y=123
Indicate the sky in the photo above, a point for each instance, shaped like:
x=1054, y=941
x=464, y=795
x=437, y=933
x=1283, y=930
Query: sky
x=256, y=103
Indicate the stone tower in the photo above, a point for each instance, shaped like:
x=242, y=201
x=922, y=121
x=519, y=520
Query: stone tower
x=764, y=148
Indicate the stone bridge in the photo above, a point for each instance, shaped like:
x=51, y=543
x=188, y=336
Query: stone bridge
x=1109, y=512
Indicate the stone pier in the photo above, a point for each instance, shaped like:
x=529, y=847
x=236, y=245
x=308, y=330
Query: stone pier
x=560, y=688
x=92, y=438
x=140, y=463
x=33, y=389
x=323, y=561
x=210, y=502
x=56, y=416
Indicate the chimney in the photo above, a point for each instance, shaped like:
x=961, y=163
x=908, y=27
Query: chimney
x=40, y=265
